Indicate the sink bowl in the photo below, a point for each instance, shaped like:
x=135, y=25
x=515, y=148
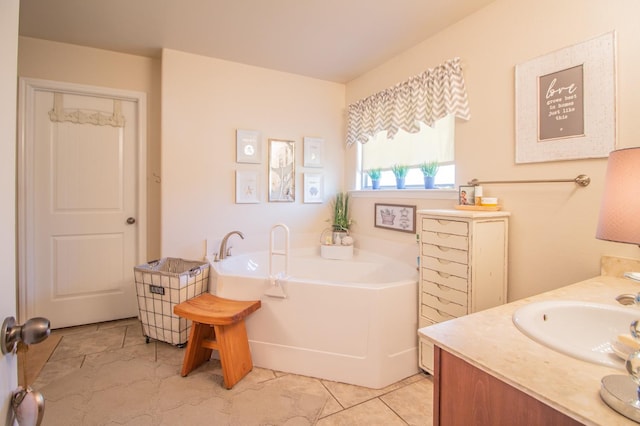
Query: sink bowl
x=582, y=330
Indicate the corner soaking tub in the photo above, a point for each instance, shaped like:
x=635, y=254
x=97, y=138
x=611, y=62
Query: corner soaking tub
x=351, y=321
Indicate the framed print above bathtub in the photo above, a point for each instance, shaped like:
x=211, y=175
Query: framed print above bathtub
x=398, y=217
x=566, y=103
x=282, y=170
x=313, y=152
x=247, y=187
x=248, y=146
x=313, y=188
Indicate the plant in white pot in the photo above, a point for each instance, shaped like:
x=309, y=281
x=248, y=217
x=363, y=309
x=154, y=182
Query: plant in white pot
x=400, y=171
x=429, y=171
x=340, y=219
x=374, y=175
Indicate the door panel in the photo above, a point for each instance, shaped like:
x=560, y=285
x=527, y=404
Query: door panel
x=84, y=189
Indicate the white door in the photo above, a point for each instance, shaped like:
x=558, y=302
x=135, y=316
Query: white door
x=8, y=76
x=84, y=223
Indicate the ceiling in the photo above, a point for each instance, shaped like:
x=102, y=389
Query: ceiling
x=334, y=40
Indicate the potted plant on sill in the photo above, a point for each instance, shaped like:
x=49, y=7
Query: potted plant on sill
x=400, y=172
x=374, y=175
x=429, y=172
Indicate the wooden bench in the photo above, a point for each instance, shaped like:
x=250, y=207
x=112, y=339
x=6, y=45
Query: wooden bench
x=218, y=324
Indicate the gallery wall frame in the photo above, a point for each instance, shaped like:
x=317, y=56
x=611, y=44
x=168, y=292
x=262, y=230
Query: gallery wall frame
x=397, y=217
x=313, y=152
x=566, y=103
x=313, y=188
x=247, y=186
x=282, y=186
x=248, y=146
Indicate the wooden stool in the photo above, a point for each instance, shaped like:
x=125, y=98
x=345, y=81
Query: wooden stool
x=218, y=323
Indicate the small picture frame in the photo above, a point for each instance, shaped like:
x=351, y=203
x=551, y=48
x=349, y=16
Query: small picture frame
x=313, y=152
x=467, y=195
x=313, y=188
x=248, y=146
x=398, y=217
x=247, y=187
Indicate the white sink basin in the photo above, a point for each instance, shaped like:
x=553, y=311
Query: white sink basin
x=582, y=330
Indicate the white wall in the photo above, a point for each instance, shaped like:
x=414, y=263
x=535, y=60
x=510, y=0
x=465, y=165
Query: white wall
x=552, y=228
x=204, y=102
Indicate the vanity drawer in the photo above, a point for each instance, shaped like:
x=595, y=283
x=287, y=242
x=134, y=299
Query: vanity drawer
x=444, y=279
x=446, y=240
x=443, y=305
x=434, y=314
x=444, y=292
x=445, y=226
x=446, y=266
x=443, y=252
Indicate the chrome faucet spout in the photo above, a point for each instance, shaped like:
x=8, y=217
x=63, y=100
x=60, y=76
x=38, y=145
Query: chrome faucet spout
x=224, y=252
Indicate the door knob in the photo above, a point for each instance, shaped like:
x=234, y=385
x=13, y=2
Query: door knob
x=131, y=220
x=34, y=330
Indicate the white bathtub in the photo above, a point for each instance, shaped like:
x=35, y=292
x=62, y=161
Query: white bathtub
x=351, y=321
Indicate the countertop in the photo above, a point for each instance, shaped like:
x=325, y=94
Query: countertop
x=490, y=341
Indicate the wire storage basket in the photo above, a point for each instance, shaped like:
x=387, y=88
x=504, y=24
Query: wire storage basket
x=162, y=284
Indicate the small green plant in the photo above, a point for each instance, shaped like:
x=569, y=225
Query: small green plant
x=374, y=174
x=430, y=168
x=340, y=219
x=400, y=170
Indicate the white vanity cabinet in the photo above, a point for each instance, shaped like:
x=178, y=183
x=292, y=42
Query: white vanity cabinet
x=463, y=266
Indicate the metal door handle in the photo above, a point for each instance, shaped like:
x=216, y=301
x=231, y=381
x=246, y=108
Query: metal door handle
x=131, y=220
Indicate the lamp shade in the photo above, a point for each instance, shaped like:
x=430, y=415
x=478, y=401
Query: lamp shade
x=620, y=210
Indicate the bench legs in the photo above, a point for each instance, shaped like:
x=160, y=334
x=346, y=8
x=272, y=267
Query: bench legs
x=230, y=341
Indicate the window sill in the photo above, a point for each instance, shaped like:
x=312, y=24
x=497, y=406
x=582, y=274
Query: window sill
x=427, y=194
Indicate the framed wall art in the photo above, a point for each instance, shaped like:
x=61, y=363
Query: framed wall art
x=313, y=188
x=282, y=170
x=248, y=146
x=565, y=103
x=398, y=217
x=247, y=187
x=313, y=152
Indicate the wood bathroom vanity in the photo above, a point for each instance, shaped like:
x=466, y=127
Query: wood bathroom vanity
x=487, y=372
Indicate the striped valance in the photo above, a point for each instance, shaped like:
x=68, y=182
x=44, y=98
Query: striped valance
x=427, y=97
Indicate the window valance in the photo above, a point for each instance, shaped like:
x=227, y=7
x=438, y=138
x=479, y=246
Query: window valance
x=425, y=98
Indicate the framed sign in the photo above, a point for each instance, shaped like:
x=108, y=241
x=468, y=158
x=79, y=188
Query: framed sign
x=313, y=152
x=313, y=188
x=566, y=104
x=247, y=187
x=398, y=217
x=248, y=146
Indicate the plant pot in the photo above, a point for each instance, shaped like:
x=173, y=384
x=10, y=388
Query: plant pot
x=375, y=183
x=337, y=236
x=400, y=183
x=428, y=182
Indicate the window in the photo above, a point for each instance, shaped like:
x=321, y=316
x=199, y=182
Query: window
x=412, y=149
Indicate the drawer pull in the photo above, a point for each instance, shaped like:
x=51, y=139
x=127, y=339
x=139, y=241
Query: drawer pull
x=441, y=248
x=443, y=301
x=442, y=235
x=443, y=274
x=443, y=287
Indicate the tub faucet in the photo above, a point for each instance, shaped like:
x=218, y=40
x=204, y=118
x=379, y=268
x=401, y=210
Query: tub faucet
x=224, y=252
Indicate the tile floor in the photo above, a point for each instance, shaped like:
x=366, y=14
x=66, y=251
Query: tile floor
x=105, y=374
